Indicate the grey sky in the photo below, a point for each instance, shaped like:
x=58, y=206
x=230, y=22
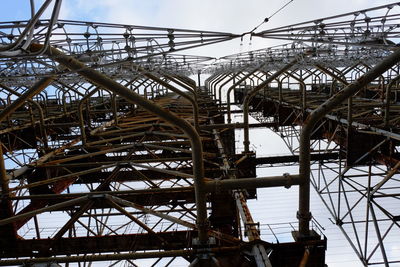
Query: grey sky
x=233, y=16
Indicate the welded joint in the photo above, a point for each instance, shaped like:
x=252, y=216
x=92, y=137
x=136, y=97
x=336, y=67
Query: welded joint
x=289, y=181
x=196, y=242
x=97, y=196
x=251, y=226
x=106, y=82
x=307, y=216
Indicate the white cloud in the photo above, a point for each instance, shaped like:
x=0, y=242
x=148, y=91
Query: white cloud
x=234, y=16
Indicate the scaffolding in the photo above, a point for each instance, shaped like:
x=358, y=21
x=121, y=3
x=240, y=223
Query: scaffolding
x=112, y=153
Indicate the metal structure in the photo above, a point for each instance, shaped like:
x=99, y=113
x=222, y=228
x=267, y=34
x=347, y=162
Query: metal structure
x=112, y=154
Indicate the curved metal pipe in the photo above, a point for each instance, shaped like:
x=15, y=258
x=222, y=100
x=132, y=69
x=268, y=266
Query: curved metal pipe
x=228, y=93
x=80, y=113
x=42, y=127
x=224, y=83
x=209, y=82
x=304, y=214
x=280, y=93
x=28, y=94
x=217, y=81
x=28, y=28
x=197, y=151
x=387, y=100
x=302, y=90
x=192, y=100
x=253, y=92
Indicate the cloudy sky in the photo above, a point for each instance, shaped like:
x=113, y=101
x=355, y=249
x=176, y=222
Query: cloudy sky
x=234, y=16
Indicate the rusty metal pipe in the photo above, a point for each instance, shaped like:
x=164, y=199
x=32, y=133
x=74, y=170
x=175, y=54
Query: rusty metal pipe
x=114, y=107
x=211, y=80
x=192, y=100
x=220, y=79
x=28, y=94
x=224, y=83
x=387, y=100
x=197, y=151
x=302, y=90
x=253, y=92
x=304, y=214
x=236, y=125
x=210, y=186
x=228, y=93
x=120, y=256
x=42, y=126
x=80, y=113
x=251, y=183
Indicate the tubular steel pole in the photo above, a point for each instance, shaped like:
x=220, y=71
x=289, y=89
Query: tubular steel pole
x=192, y=100
x=249, y=183
x=228, y=93
x=220, y=79
x=28, y=94
x=80, y=113
x=387, y=100
x=253, y=92
x=304, y=214
x=227, y=81
x=212, y=80
x=176, y=90
x=286, y=180
x=197, y=151
x=120, y=256
x=4, y=179
x=302, y=90
x=199, y=79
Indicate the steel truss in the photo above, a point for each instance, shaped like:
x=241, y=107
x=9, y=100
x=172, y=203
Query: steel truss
x=101, y=169
x=360, y=188
x=110, y=152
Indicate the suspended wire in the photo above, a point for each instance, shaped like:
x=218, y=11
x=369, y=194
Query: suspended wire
x=268, y=18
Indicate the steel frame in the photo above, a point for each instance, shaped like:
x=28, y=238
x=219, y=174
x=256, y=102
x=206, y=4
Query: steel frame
x=105, y=140
x=369, y=226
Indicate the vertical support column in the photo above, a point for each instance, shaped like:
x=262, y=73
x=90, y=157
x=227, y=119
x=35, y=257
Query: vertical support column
x=4, y=179
x=234, y=75
x=28, y=94
x=228, y=93
x=199, y=80
x=252, y=93
x=259, y=252
x=217, y=81
x=197, y=150
x=8, y=233
x=387, y=100
x=304, y=214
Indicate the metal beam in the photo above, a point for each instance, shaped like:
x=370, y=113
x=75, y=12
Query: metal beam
x=121, y=256
x=197, y=151
x=304, y=214
x=253, y=92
